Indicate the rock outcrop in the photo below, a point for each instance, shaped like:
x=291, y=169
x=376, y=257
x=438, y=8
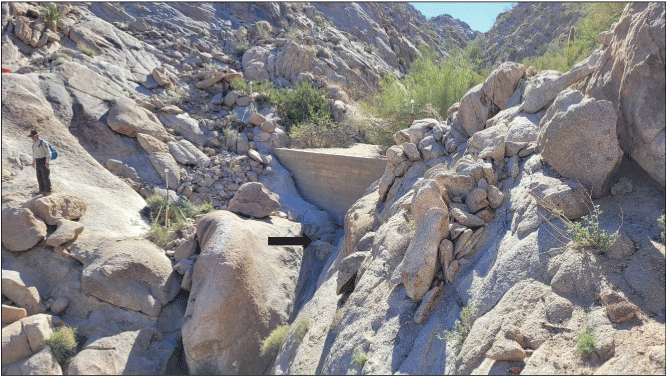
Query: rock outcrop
x=254, y=200
x=133, y=274
x=20, y=229
x=241, y=290
x=630, y=74
x=578, y=139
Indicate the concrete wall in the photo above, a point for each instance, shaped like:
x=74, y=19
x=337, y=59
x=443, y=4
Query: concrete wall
x=332, y=182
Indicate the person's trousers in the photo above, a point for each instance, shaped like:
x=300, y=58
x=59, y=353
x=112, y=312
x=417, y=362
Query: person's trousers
x=43, y=174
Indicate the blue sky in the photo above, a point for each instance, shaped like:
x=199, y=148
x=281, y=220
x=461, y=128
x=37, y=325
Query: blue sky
x=479, y=16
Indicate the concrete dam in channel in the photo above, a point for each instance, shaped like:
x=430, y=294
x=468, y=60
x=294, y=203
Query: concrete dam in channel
x=332, y=182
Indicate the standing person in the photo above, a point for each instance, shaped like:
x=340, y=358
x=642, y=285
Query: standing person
x=41, y=157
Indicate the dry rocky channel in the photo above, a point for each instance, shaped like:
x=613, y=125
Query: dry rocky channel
x=468, y=221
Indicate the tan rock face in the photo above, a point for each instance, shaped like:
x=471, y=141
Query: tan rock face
x=11, y=314
x=578, y=139
x=57, y=206
x=484, y=100
x=42, y=363
x=127, y=118
x=630, y=74
x=14, y=288
x=163, y=77
x=253, y=199
x=20, y=229
x=15, y=344
x=419, y=265
x=133, y=274
x=241, y=290
x=185, y=152
x=150, y=144
x=66, y=231
x=166, y=166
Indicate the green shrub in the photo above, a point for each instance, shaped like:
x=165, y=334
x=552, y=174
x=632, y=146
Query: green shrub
x=160, y=235
x=63, y=344
x=164, y=227
x=292, y=34
x=324, y=53
x=319, y=22
x=586, y=342
x=461, y=328
x=399, y=8
x=588, y=234
x=359, y=358
x=174, y=95
x=304, y=103
x=662, y=226
x=322, y=135
x=230, y=138
x=122, y=25
x=85, y=49
x=264, y=29
x=241, y=47
x=274, y=340
x=205, y=208
x=432, y=81
x=50, y=13
x=301, y=328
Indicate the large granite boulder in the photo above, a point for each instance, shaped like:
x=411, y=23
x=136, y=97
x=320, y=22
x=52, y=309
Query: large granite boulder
x=630, y=74
x=577, y=137
x=20, y=229
x=184, y=125
x=419, y=265
x=127, y=118
x=57, y=206
x=133, y=273
x=484, y=100
x=166, y=166
x=254, y=200
x=23, y=295
x=242, y=289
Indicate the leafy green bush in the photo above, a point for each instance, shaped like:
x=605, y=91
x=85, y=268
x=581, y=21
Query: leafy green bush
x=301, y=328
x=292, y=34
x=319, y=22
x=588, y=234
x=313, y=135
x=662, y=226
x=432, y=81
x=324, y=53
x=586, y=342
x=63, y=344
x=461, y=328
x=264, y=29
x=274, y=340
x=304, y=103
x=50, y=13
x=85, y=49
x=169, y=217
x=359, y=358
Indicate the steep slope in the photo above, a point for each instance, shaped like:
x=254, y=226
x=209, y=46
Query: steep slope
x=468, y=221
x=527, y=289
x=526, y=30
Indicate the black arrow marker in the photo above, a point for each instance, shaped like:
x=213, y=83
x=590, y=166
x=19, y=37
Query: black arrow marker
x=284, y=240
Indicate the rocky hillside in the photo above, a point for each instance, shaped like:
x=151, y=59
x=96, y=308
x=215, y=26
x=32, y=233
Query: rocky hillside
x=526, y=30
x=518, y=235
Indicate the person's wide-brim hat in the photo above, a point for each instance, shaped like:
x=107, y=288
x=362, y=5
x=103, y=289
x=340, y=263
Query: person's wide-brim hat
x=33, y=133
